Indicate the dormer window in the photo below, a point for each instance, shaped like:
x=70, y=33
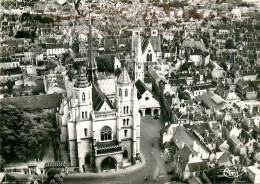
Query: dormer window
x=83, y=97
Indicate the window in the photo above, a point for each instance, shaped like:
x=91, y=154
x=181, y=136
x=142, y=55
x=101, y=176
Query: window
x=86, y=114
x=139, y=66
x=86, y=131
x=120, y=92
x=89, y=95
x=106, y=133
x=124, y=109
x=83, y=96
x=126, y=92
x=127, y=111
x=125, y=133
x=127, y=122
x=124, y=122
x=82, y=115
x=146, y=98
x=149, y=57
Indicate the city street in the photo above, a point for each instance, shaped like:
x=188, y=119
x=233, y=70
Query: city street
x=154, y=169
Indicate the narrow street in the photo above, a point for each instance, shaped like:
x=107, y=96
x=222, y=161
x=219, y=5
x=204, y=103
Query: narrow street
x=154, y=169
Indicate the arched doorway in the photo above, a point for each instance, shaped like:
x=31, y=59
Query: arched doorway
x=108, y=163
x=155, y=112
x=125, y=154
x=148, y=112
x=140, y=112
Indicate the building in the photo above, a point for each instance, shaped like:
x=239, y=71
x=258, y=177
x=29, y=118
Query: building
x=138, y=59
x=148, y=104
x=254, y=173
x=102, y=134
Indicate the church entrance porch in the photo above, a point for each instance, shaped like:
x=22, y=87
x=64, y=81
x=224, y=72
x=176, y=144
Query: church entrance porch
x=109, y=163
x=150, y=112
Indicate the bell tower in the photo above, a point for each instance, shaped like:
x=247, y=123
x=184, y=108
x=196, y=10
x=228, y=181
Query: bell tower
x=83, y=92
x=128, y=121
x=138, y=61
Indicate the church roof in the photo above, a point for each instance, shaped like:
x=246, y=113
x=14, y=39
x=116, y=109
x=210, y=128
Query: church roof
x=124, y=77
x=141, y=88
x=98, y=98
x=81, y=81
x=156, y=43
x=107, y=86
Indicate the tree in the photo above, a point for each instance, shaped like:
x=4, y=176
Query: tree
x=118, y=71
x=229, y=44
x=10, y=84
x=24, y=135
x=54, y=176
x=26, y=17
x=38, y=18
x=2, y=163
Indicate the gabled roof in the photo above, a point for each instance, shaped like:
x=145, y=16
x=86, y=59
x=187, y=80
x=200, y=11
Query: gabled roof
x=141, y=88
x=183, y=136
x=182, y=156
x=98, y=98
x=198, y=166
x=242, y=84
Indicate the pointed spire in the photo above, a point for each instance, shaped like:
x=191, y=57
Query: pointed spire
x=139, y=50
x=81, y=81
x=124, y=77
x=91, y=64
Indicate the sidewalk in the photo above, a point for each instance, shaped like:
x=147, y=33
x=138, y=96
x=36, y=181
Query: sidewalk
x=111, y=173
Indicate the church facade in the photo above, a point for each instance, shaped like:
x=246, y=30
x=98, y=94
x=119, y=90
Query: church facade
x=101, y=125
x=102, y=134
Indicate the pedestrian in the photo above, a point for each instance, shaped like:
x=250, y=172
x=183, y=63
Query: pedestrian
x=145, y=179
x=151, y=152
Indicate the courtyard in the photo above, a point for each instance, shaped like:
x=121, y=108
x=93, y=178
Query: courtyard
x=155, y=168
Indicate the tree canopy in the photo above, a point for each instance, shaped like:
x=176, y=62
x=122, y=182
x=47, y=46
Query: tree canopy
x=105, y=63
x=24, y=135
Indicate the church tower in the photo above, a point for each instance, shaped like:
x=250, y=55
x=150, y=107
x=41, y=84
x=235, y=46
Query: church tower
x=82, y=108
x=128, y=121
x=138, y=60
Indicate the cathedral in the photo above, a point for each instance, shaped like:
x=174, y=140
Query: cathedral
x=101, y=133
x=100, y=118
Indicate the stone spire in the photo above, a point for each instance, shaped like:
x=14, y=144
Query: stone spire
x=139, y=50
x=91, y=64
x=124, y=77
x=81, y=81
